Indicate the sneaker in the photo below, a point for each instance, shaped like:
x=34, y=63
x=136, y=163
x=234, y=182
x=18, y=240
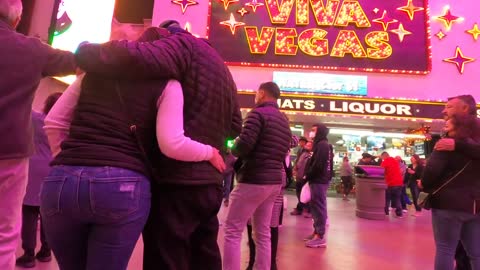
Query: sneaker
x=295, y=212
x=44, y=255
x=310, y=237
x=317, y=243
x=405, y=211
x=26, y=261
x=397, y=216
x=307, y=215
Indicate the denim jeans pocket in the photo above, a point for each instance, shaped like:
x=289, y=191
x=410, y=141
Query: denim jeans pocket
x=115, y=198
x=50, y=194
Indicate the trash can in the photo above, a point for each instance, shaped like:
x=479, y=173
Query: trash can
x=370, y=192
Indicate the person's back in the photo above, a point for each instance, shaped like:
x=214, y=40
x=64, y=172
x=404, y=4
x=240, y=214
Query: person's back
x=393, y=174
x=100, y=129
x=24, y=62
x=264, y=163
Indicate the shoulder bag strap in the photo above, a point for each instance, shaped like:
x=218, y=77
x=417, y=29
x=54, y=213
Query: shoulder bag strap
x=133, y=132
x=451, y=178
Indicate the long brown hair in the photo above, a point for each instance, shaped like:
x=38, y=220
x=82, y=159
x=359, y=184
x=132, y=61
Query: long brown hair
x=464, y=126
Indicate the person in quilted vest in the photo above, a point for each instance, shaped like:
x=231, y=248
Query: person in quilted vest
x=188, y=193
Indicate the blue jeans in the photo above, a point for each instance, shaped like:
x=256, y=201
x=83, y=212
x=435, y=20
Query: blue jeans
x=318, y=207
x=93, y=216
x=393, y=196
x=448, y=228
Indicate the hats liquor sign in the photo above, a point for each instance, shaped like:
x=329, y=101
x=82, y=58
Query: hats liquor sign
x=353, y=106
x=367, y=35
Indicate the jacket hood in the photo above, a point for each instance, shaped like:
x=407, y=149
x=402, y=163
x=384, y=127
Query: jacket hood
x=322, y=132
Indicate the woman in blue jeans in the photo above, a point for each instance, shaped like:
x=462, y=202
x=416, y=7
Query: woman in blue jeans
x=96, y=200
x=456, y=205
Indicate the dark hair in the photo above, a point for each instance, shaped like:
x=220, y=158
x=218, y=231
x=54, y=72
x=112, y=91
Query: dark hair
x=385, y=153
x=152, y=34
x=50, y=101
x=271, y=88
x=469, y=101
x=303, y=139
x=464, y=126
x=168, y=23
x=417, y=159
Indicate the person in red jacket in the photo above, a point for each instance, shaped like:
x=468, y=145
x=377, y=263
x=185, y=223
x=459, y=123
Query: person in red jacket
x=394, y=180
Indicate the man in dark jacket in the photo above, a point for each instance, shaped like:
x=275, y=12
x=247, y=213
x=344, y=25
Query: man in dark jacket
x=25, y=61
x=263, y=146
x=462, y=105
x=318, y=174
x=188, y=193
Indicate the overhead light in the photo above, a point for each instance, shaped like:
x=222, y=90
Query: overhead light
x=340, y=142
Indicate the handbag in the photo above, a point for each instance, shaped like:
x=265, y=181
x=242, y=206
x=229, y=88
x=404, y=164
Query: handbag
x=133, y=132
x=305, y=194
x=427, y=197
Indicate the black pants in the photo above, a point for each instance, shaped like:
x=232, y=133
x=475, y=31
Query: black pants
x=415, y=192
x=298, y=189
x=462, y=259
x=393, y=195
x=274, y=247
x=30, y=217
x=347, y=182
x=181, y=232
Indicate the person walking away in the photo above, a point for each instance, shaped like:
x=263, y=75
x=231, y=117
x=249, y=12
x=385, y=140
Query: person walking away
x=318, y=174
x=451, y=178
x=415, y=172
x=38, y=169
x=346, y=174
x=394, y=181
x=404, y=199
x=262, y=145
x=25, y=61
x=300, y=180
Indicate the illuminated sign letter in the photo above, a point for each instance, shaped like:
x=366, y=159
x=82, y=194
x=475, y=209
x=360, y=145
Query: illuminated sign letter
x=348, y=42
x=324, y=15
x=380, y=48
x=259, y=44
x=352, y=12
x=279, y=13
x=285, y=41
x=312, y=42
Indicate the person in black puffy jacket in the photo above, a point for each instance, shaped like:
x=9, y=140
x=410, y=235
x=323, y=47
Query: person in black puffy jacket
x=262, y=147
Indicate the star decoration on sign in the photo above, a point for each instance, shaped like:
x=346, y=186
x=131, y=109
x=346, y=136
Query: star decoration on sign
x=227, y=3
x=440, y=35
x=410, y=9
x=376, y=10
x=459, y=60
x=448, y=19
x=401, y=32
x=243, y=11
x=474, y=31
x=385, y=20
x=254, y=5
x=232, y=23
x=184, y=4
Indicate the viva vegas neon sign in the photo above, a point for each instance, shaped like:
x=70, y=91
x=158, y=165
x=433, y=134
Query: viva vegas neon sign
x=313, y=41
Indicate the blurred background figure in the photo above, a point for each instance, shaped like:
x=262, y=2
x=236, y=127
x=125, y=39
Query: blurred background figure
x=346, y=174
x=38, y=169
